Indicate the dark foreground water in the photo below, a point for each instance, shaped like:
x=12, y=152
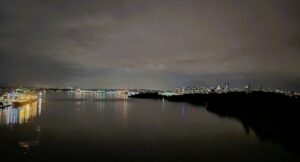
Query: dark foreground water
x=99, y=127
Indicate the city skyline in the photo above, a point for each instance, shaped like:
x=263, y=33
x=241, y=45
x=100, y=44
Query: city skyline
x=143, y=44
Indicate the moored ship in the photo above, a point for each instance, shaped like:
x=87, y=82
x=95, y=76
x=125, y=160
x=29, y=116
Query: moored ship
x=24, y=99
x=18, y=97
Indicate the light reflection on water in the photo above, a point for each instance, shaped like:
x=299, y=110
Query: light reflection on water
x=94, y=95
x=18, y=115
x=112, y=127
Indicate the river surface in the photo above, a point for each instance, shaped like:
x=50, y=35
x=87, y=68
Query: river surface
x=112, y=127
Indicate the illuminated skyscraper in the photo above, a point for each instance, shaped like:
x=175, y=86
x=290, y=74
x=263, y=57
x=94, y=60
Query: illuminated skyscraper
x=226, y=86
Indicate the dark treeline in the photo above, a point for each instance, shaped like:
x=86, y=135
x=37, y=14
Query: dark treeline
x=272, y=116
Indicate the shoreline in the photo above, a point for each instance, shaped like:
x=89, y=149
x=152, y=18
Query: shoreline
x=270, y=116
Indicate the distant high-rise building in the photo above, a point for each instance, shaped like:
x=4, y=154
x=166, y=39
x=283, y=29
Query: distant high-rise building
x=195, y=90
x=226, y=86
x=247, y=88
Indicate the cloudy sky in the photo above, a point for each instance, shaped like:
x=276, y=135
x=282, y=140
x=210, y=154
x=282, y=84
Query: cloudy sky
x=150, y=43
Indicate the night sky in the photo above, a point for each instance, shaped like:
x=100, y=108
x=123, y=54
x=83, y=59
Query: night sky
x=150, y=43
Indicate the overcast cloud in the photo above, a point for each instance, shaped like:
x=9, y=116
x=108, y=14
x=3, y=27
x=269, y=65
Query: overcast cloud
x=150, y=43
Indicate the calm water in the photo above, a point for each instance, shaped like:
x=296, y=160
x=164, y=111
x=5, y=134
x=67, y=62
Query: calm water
x=64, y=127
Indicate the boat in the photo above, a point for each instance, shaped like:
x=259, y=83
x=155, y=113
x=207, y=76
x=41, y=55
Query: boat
x=18, y=97
x=24, y=99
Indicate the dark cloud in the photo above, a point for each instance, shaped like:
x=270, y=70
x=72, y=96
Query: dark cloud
x=35, y=70
x=158, y=43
